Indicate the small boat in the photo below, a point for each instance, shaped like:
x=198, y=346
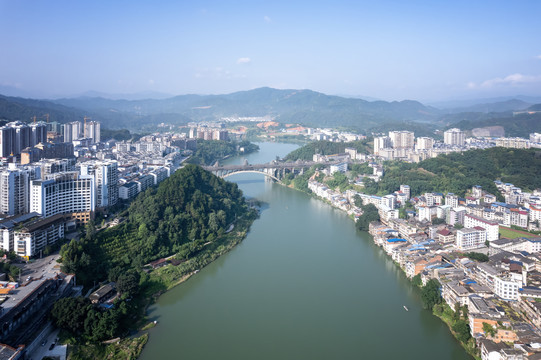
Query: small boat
x=405, y=308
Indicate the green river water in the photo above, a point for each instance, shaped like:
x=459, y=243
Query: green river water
x=304, y=284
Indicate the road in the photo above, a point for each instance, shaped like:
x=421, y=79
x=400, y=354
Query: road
x=58, y=352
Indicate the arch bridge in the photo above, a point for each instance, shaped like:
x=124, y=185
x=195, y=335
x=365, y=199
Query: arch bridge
x=273, y=170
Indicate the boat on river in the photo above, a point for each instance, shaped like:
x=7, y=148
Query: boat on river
x=405, y=308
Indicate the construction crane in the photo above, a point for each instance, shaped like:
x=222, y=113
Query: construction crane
x=47, y=117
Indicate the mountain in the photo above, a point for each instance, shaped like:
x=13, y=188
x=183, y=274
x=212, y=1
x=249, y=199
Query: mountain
x=296, y=106
x=449, y=105
x=518, y=125
x=14, y=108
x=495, y=107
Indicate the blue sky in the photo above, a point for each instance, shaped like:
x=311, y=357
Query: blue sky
x=392, y=50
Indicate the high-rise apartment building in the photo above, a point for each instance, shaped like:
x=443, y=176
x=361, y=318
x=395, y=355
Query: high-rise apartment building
x=14, y=190
x=72, y=131
x=7, y=141
x=381, y=142
x=105, y=175
x=402, y=139
x=454, y=137
x=38, y=133
x=425, y=143
x=92, y=131
x=17, y=136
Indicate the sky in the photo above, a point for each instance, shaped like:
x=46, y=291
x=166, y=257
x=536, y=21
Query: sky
x=390, y=50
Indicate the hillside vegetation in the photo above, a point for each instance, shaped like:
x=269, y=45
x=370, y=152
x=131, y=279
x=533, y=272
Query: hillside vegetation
x=307, y=151
x=189, y=209
x=458, y=172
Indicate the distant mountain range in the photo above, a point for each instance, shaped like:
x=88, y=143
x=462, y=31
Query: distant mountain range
x=286, y=106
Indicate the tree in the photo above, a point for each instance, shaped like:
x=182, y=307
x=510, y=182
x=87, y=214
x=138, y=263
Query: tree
x=489, y=329
x=416, y=280
x=115, y=273
x=70, y=314
x=430, y=294
x=465, y=312
x=477, y=256
x=128, y=284
x=370, y=213
x=462, y=330
x=456, y=315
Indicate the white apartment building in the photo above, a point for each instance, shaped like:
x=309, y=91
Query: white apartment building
x=451, y=200
x=405, y=189
x=105, y=175
x=36, y=235
x=506, y=287
x=532, y=245
x=72, y=131
x=517, y=218
x=63, y=193
x=389, y=201
x=402, y=139
x=470, y=238
x=381, y=142
x=516, y=143
x=14, y=190
x=492, y=227
x=425, y=143
x=454, y=137
x=92, y=131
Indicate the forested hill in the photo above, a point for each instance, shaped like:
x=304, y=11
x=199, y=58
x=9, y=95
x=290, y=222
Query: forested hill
x=323, y=147
x=189, y=209
x=520, y=125
x=458, y=172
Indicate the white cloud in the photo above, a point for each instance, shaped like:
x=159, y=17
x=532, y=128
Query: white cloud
x=538, y=57
x=151, y=81
x=510, y=80
x=244, y=60
x=267, y=19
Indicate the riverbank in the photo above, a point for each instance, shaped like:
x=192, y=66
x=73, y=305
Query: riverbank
x=167, y=277
x=159, y=281
x=342, y=203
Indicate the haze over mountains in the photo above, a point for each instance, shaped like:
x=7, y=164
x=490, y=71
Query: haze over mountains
x=286, y=106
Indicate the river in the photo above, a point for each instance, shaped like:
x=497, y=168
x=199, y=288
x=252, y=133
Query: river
x=304, y=284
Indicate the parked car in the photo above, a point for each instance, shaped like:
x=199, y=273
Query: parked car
x=52, y=346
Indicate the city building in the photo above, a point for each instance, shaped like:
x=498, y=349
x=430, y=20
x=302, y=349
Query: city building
x=92, y=131
x=64, y=193
x=425, y=143
x=381, y=142
x=72, y=131
x=492, y=227
x=470, y=238
x=454, y=137
x=105, y=175
x=402, y=139
x=35, y=235
x=14, y=190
